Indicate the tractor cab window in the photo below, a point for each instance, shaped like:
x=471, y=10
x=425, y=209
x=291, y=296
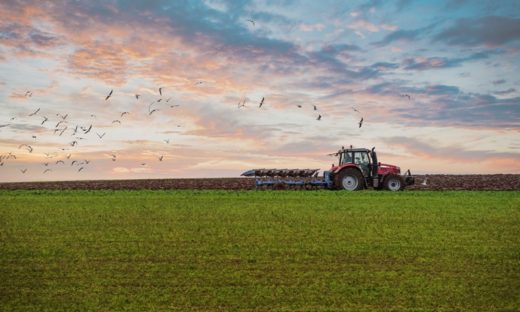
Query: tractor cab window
x=346, y=157
x=363, y=161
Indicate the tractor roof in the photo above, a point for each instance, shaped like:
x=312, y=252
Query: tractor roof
x=355, y=150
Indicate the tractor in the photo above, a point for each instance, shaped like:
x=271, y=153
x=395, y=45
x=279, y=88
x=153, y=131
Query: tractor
x=357, y=169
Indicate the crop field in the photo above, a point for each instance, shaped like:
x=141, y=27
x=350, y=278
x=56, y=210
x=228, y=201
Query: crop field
x=259, y=250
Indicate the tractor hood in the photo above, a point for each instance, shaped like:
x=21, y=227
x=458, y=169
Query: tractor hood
x=387, y=168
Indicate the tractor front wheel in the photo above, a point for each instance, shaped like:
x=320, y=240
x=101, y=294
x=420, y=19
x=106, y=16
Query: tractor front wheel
x=394, y=183
x=349, y=179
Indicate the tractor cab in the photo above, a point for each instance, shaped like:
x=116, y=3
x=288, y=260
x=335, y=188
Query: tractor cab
x=364, y=159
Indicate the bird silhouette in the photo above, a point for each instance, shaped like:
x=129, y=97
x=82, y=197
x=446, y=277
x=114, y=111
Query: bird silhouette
x=160, y=91
x=252, y=22
x=161, y=158
x=23, y=170
x=35, y=112
x=101, y=135
x=361, y=122
x=261, y=102
x=109, y=95
x=137, y=96
x=319, y=117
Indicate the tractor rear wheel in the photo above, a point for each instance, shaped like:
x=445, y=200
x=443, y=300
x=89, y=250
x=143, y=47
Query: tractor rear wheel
x=394, y=183
x=349, y=179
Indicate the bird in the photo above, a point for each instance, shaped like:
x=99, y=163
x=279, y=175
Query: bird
x=315, y=108
x=299, y=106
x=34, y=137
x=319, y=117
x=161, y=158
x=63, y=130
x=261, y=102
x=425, y=182
x=101, y=135
x=116, y=121
x=75, y=130
x=87, y=162
x=168, y=100
x=251, y=21
x=88, y=129
x=154, y=110
x=137, y=96
x=2, y=126
x=35, y=112
x=62, y=116
x=406, y=96
x=167, y=141
x=159, y=100
x=44, y=120
x=361, y=122
x=175, y=105
x=28, y=93
x=199, y=82
x=46, y=164
x=81, y=168
x=355, y=109
x=23, y=170
x=59, y=123
x=29, y=148
x=160, y=91
x=109, y=95
x=74, y=143
x=73, y=162
x=124, y=113
x=68, y=156
x=47, y=170
x=113, y=157
x=143, y=164
x=60, y=162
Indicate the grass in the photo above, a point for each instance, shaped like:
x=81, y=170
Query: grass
x=282, y=250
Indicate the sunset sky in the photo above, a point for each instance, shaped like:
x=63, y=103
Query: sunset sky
x=436, y=83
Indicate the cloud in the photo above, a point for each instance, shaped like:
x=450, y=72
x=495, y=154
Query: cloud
x=499, y=82
x=489, y=31
x=405, y=35
x=311, y=27
x=426, y=63
x=505, y=92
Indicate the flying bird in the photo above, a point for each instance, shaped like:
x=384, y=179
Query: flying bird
x=137, y=96
x=113, y=157
x=315, y=108
x=73, y=162
x=261, y=102
x=44, y=120
x=109, y=95
x=319, y=117
x=251, y=21
x=1, y=126
x=154, y=110
x=406, y=96
x=160, y=91
x=161, y=158
x=299, y=106
x=116, y=121
x=47, y=170
x=361, y=122
x=63, y=130
x=124, y=113
x=23, y=170
x=34, y=137
x=355, y=109
x=74, y=143
x=81, y=168
x=35, y=112
x=59, y=123
x=60, y=162
x=28, y=93
x=29, y=148
x=167, y=141
x=101, y=135
x=62, y=116
x=68, y=156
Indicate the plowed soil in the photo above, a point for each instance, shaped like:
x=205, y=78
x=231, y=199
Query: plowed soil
x=497, y=182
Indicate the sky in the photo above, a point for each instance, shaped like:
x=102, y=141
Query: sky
x=436, y=83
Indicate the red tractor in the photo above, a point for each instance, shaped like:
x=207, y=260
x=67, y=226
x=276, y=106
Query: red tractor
x=358, y=168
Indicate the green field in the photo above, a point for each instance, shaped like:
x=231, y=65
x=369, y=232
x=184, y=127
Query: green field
x=248, y=250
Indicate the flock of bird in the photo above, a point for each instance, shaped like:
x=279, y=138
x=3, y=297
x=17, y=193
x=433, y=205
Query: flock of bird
x=78, y=132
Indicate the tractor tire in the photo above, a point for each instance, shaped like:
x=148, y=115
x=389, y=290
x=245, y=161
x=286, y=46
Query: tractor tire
x=394, y=183
x=349, y=179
